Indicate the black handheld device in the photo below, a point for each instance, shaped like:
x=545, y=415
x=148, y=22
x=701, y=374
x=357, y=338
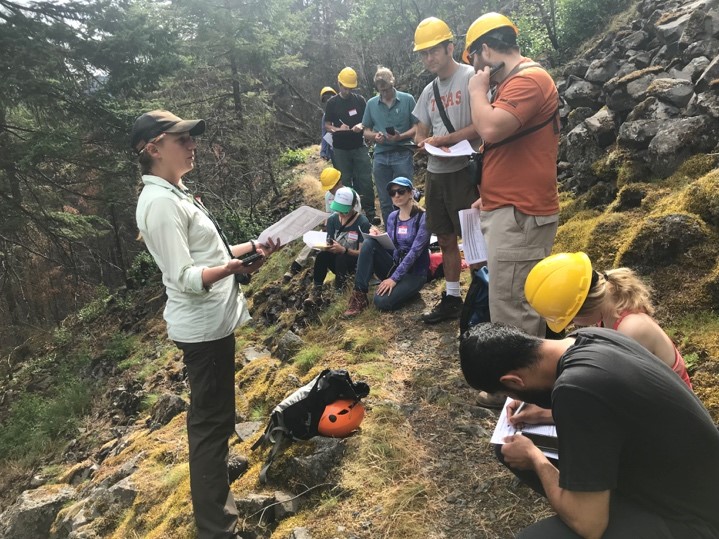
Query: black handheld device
x=391, y=130
x=494, y=69
x=250, y=258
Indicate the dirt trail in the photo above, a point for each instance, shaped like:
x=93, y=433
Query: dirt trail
x=476, y=497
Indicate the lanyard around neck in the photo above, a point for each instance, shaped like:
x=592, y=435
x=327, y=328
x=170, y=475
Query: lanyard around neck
x=199, y=205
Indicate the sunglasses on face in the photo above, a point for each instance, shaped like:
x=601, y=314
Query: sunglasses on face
x=400, y=191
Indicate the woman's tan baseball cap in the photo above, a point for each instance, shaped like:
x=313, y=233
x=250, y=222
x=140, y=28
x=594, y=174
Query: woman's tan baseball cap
x=152, y=124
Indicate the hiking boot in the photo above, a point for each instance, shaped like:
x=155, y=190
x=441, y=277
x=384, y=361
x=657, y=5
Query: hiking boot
x=447, y=308
x=314, y=299
x=491, y=400
x=358, y=303
x=295, y=268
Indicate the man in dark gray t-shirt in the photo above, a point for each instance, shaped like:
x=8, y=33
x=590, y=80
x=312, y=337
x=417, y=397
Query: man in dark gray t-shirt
x=638, y=452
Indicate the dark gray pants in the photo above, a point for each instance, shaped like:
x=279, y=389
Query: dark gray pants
x=627, y=520
x=210, y=423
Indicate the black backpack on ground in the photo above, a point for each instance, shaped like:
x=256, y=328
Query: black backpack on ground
x=297, y=416
x=476, y=305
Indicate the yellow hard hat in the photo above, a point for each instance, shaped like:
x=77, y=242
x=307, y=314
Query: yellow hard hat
x=327, y=90
x=558, y=286
x=348, y=78
x=329, y=178
x=431, y=32
x=484, y=24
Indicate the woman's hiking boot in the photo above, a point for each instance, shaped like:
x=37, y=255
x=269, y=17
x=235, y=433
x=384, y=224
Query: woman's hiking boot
x=358, y=303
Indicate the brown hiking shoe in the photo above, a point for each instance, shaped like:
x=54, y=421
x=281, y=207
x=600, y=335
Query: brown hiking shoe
x=491, y=400
x=358, y=303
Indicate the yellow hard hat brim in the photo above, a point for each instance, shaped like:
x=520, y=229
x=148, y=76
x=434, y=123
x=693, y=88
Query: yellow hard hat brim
x=557, y=327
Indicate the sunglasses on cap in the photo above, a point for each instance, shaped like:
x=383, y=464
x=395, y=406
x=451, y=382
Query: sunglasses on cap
x=398, y=191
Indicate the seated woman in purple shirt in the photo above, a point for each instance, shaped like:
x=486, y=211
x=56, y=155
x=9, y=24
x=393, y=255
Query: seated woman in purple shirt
x=404, y=270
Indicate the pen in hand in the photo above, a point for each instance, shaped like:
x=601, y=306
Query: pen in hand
x=518, y=410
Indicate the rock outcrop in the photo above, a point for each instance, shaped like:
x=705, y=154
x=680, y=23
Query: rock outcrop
x=651, y=87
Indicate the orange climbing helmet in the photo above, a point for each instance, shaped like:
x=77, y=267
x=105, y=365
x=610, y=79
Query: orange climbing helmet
x=341, y=418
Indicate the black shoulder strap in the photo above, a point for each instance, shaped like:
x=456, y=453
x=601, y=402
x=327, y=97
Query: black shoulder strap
x=529, y=131
x=440, y=107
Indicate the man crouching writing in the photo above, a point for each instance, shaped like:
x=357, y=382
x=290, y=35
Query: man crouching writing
x=632, y=463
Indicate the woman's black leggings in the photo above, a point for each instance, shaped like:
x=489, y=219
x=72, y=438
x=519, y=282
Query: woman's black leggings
x=340, y=265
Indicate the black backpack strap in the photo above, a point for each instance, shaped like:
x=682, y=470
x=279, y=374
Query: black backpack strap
x=440, y=107
x=521, y=134
x=529, y=131
x=279, y=436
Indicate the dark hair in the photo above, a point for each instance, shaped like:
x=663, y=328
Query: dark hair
x=502, y=40
x=489, y=351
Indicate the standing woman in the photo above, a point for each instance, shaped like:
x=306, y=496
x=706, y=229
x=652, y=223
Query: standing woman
x=404, y=270
x=204, y=303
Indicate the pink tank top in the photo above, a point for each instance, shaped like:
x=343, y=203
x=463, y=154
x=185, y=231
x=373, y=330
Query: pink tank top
x=679, y=366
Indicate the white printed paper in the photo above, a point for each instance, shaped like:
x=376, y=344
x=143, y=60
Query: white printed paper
x=384, y=240
x=473, y=244
x=328, y=139
x=463, y=147
x=293, y=225
x=315, y=239
x=504, y=428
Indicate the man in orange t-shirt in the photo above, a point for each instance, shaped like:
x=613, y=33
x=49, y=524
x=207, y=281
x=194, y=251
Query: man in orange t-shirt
x=519, y=204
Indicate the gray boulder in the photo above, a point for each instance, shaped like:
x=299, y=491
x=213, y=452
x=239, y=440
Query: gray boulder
x=653, y=109
x=673, y=91
x=705, y=47
x=710, y=73
x=256, y=508
x=661, y=241
x=699, y=27
x=247, y=429
x=576, y=68
x=315, y=468
x=671, y=31
x=166, y=407
x=602, y=70
x=635, y=40
x=300, y=533
x=637, y=134
x=288, y=345
x=708, y=103
x=639, y=59
x=581, y=93
x=577, y=116
x=696, y=66
x=32, y=515
x=77, y=520
x=287, y=505
x=581, y=150
x=637, y=88
x=677, y=140
x=603, y=127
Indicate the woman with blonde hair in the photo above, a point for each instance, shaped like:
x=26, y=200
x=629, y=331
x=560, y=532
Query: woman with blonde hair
x=201, y=272
x=564, y=288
